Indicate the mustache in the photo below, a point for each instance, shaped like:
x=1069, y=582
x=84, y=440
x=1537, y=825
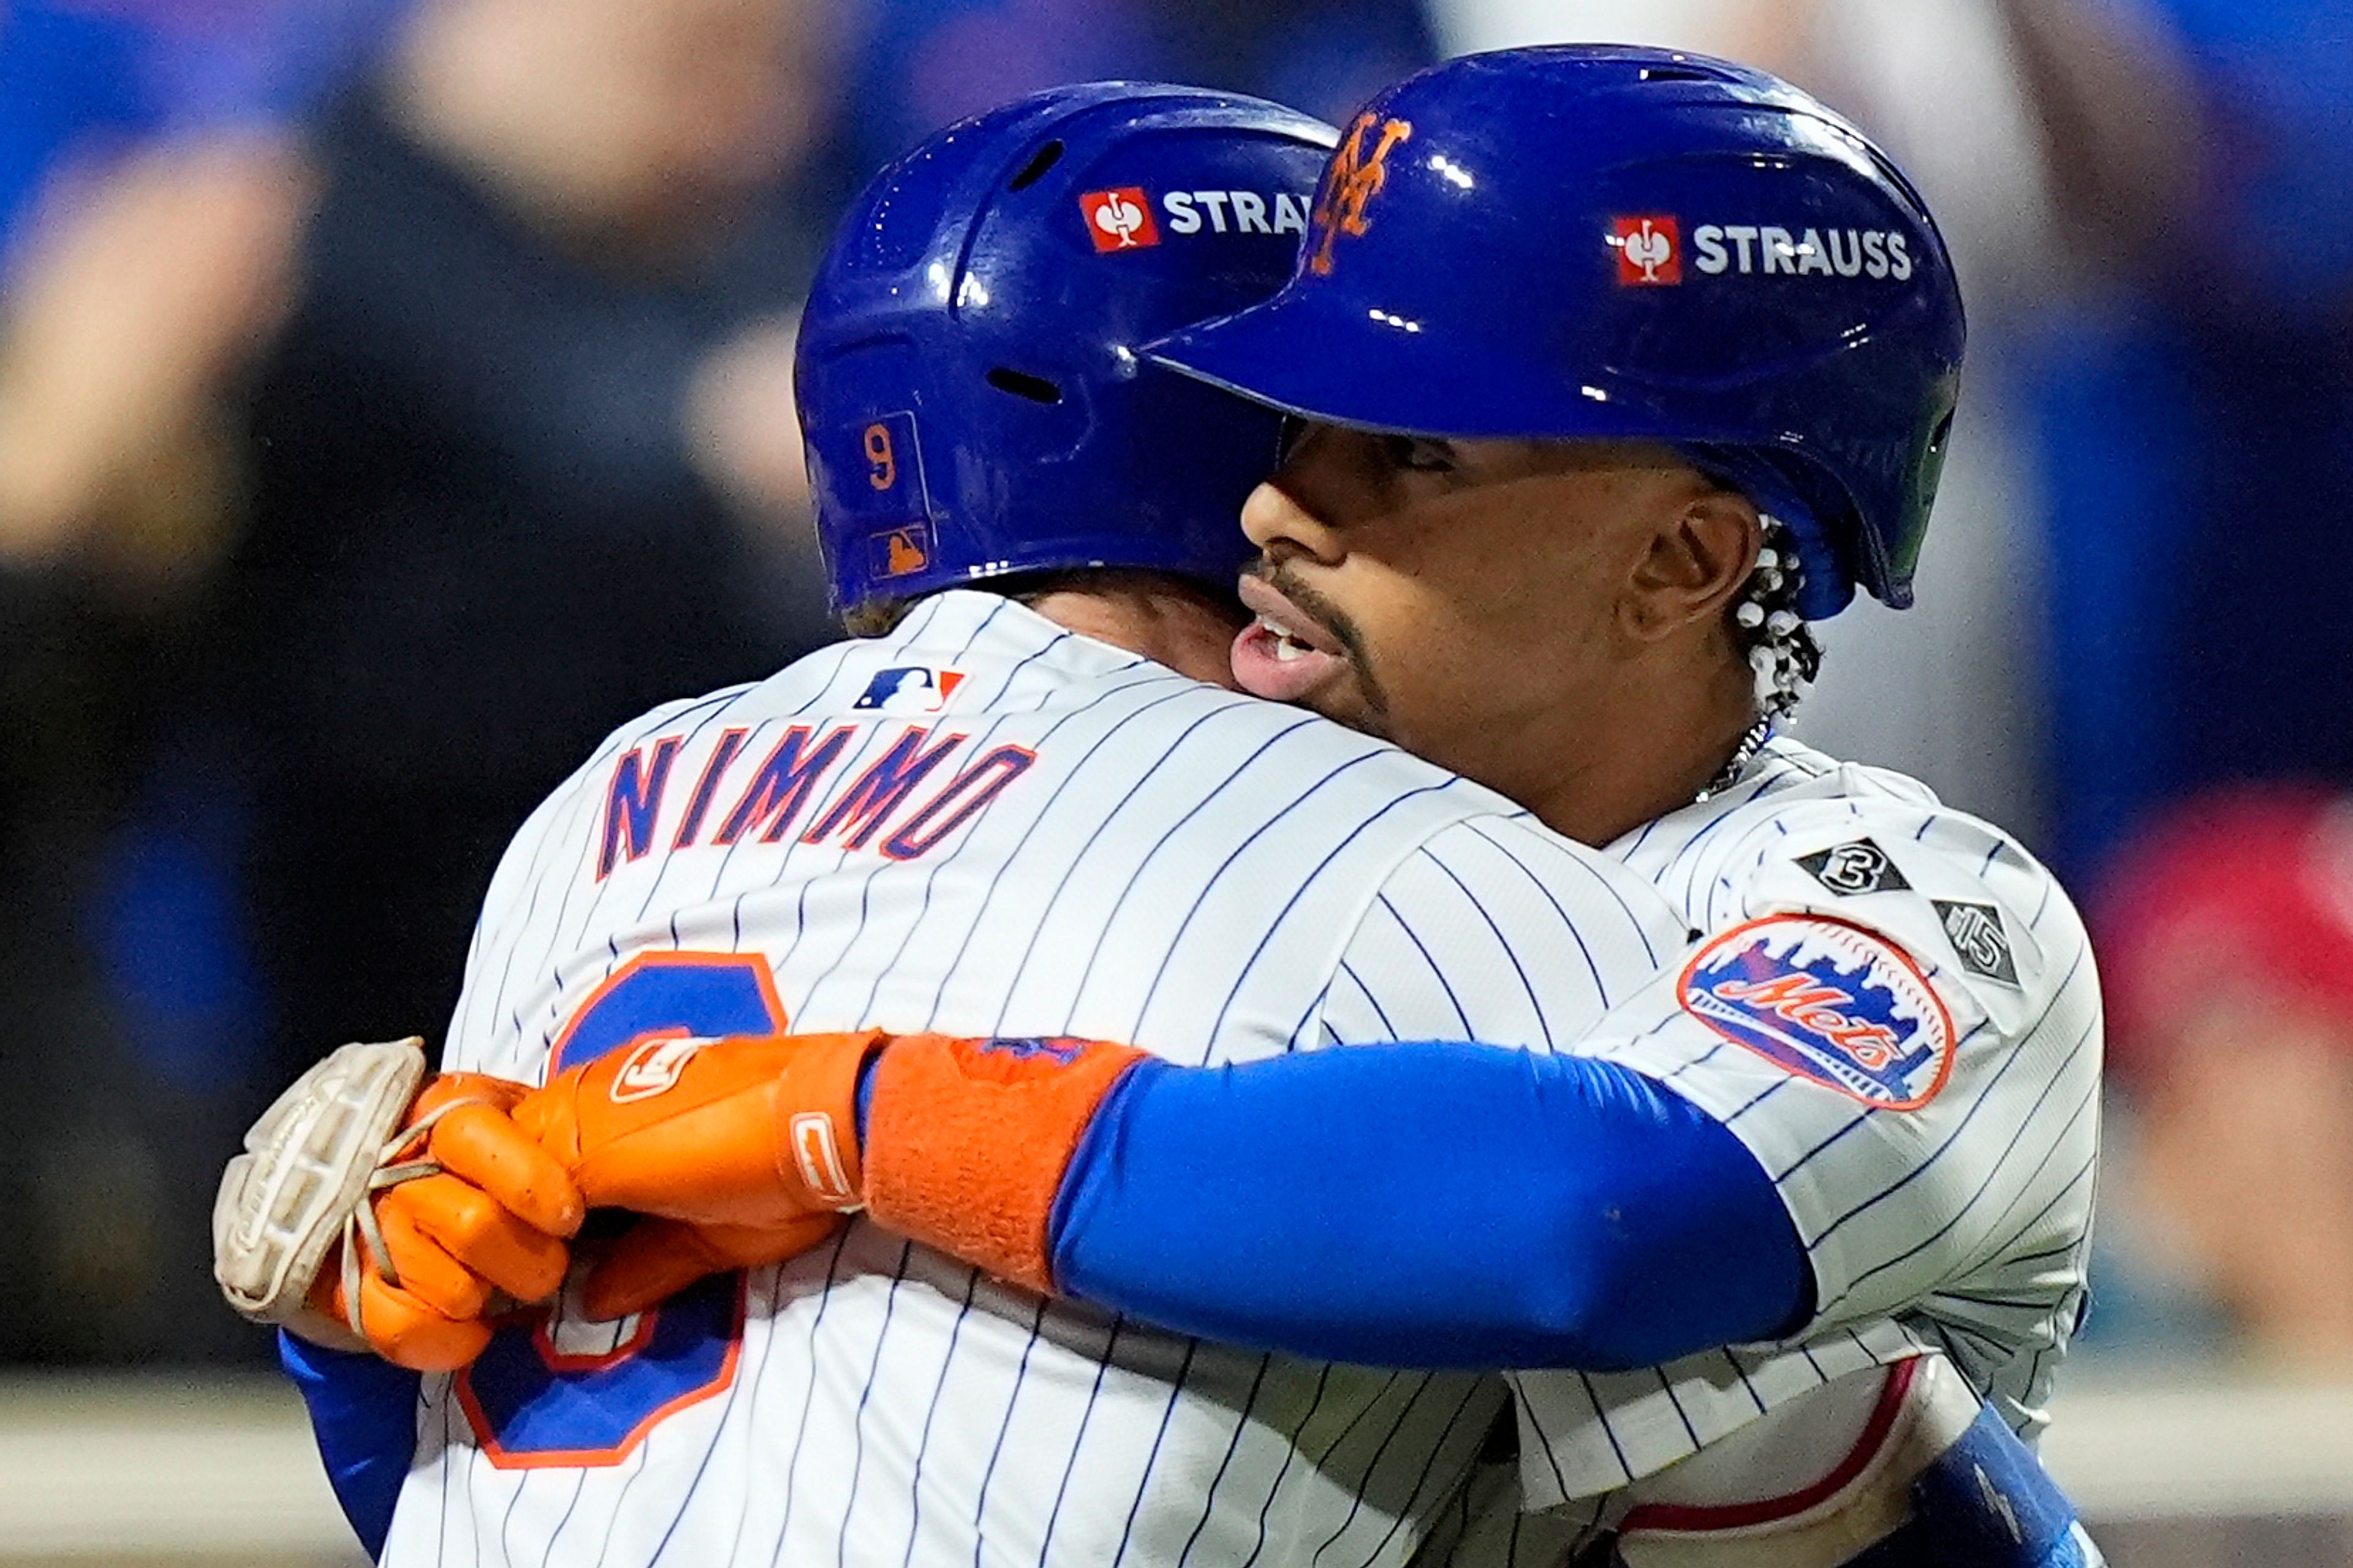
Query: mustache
x=1275, y=572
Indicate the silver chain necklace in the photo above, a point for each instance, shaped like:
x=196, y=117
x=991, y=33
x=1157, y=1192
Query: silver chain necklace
x=1751, y=743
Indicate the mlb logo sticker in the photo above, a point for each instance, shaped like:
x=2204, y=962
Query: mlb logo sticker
x=1828, y=1001
x=901, y=552
x=1650, y=249
x=909, y=689
x=1120, y=219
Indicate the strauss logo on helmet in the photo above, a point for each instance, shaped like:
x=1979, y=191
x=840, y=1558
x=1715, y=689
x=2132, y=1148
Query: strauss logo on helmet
x=1120, y=219
x=1650, y=249
x=1123, y=219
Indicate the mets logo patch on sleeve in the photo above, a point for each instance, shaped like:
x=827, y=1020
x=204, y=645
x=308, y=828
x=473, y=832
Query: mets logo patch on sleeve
x=1828, y=1001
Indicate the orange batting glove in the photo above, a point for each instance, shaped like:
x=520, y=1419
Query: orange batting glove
x=759, y=1132
x=435, y=1246
x=743, y=1151
x=654, y=1259
x=746, y=1149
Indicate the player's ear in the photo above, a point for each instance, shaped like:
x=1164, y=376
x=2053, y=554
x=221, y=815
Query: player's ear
x=1701, y=551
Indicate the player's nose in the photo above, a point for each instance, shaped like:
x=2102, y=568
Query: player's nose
x=1273, y=517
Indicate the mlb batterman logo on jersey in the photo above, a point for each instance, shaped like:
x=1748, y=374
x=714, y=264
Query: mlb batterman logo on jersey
x=909, y=689
x=1120, y=219
x=1828, y=1001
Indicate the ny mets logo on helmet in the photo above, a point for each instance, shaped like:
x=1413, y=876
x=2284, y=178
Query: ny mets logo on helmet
x=1355, y=178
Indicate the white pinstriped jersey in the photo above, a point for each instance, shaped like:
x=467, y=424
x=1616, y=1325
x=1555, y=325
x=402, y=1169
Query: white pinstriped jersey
x=1918, y=1071
x=982, y=824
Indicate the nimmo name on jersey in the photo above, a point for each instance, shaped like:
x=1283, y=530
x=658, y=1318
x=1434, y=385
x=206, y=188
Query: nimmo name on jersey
x=775, y=797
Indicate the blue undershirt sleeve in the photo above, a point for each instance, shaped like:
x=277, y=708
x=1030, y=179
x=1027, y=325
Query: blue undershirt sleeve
x=1441, y=1205
x=363, y=1413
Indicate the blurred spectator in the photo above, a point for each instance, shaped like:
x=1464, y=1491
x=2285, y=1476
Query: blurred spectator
x=355, y=476
x=150, y=187
x=2196, y=406
x=2226, y=936
x=928, y=62
x=522, y=461
x=351, y=486
x=150, y=190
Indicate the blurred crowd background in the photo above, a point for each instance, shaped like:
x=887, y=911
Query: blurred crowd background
x=394, y=395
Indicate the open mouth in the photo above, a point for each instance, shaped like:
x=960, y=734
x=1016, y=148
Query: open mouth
x=1283, y=653
x=1287, y=648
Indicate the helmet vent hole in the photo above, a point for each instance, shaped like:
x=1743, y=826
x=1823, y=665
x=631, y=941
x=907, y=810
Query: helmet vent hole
x=1675, y=73
x=1943, y=433
x=1036, y=388
x=1033, y=171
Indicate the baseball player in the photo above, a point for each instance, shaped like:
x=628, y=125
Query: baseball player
x=1613, y=367
x=1029, y=810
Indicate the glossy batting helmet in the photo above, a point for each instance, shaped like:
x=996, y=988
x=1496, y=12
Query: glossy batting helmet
x=972, y=397
x=1600, y=242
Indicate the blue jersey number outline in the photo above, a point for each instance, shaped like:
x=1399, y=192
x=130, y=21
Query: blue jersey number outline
x=531, y=1405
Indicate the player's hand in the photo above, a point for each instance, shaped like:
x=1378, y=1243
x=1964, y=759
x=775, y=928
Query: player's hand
x=757, y=1132
x=654, y=1259
x=492, y=1218
x=373, y=1209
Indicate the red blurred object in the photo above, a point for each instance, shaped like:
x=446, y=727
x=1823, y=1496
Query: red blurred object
x=2242, y=896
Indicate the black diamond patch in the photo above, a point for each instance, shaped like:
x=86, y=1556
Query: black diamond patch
x=1979, y=938
x=1859, y=866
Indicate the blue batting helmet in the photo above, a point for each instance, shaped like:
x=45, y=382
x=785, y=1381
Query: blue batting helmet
x=1592, y=241
x=972, y=397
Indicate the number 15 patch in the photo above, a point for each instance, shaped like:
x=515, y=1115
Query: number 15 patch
x=1829, y=1001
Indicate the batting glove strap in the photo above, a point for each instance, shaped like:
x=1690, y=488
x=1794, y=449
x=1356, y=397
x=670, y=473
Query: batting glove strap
x=816, y=1120
x=967, y=1141
x=403, y=1159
